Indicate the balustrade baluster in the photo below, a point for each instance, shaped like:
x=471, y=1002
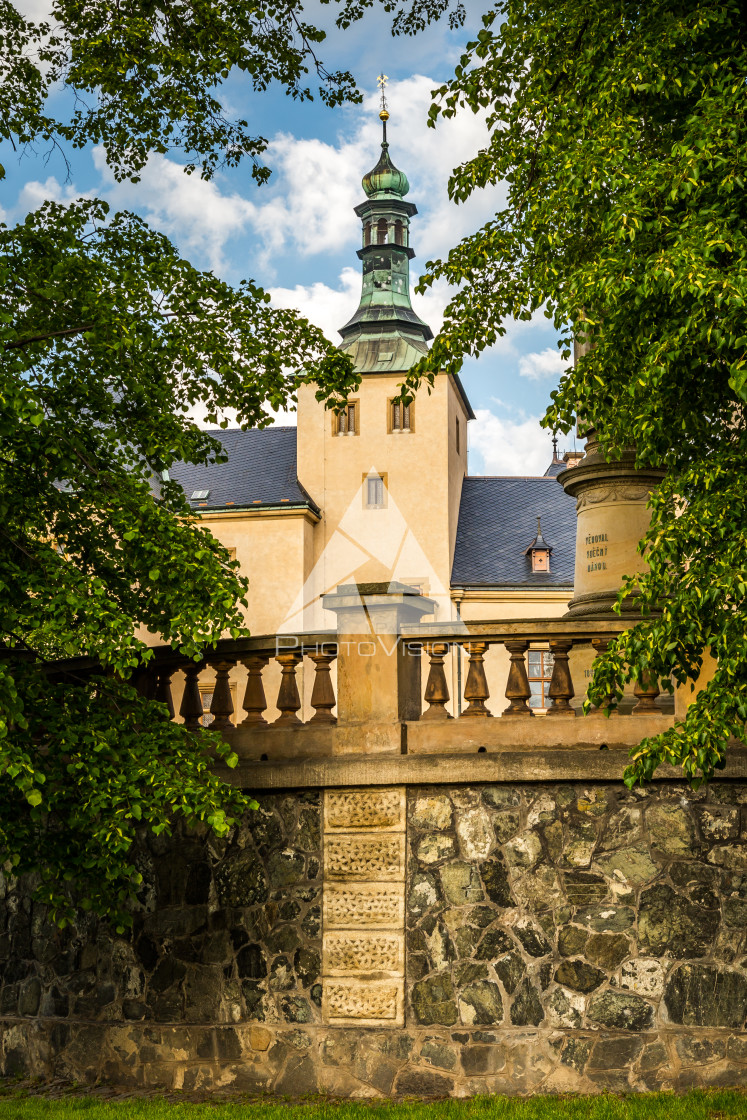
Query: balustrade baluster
x=163, y=690
x=436, y=689
x=254, y=696
x=517, y=686
x=289, y=702
x=476, y=688
x=323, y=694
x=561, y=686
x=646, y=690
x=221, y=706
x=600, y=646
x=144, y=681
x=191, y=706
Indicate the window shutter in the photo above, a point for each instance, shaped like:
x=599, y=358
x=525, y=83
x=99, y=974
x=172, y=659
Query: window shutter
x=351, y=417
x=406, y=417
x=396, y=415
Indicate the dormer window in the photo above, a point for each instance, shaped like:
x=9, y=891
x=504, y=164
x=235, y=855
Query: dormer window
x=540, y=551
x=400, y=418
x=346, y=421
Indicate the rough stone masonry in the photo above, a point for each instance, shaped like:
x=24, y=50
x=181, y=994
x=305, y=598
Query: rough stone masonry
x=550, y=937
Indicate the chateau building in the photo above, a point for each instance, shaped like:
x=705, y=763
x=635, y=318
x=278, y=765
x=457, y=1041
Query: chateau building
x=417, y=905
x=381, y=491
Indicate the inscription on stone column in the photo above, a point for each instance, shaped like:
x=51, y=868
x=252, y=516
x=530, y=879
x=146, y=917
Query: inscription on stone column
x=597, y=547
x=364, y=907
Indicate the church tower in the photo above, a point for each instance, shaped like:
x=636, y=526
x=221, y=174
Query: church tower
x=386, y=477
x=385, y=334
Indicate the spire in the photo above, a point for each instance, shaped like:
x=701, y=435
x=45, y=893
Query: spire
x=385, y=334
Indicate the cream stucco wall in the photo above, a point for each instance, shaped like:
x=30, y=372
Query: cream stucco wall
x=412, y=538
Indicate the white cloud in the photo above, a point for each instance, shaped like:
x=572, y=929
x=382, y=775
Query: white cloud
x=196, y=213
x=541, y=364
x=316, y=185
x=330, y=308
x=513, y=447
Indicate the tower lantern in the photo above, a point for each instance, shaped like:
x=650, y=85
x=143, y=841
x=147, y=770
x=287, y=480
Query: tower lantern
x=385, y=334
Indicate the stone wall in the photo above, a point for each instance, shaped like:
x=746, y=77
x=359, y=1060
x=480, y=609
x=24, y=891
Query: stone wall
x=558, y=937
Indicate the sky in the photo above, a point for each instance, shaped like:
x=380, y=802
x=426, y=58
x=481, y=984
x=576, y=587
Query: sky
x=298, y=235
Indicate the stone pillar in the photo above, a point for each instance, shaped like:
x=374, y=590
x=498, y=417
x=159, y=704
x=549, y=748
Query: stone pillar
x=378, y=671
x=612, y=517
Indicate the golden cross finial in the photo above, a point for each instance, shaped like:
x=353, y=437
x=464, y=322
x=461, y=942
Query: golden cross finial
x=381, y=82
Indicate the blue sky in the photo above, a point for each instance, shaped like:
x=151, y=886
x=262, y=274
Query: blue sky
x=298, y=235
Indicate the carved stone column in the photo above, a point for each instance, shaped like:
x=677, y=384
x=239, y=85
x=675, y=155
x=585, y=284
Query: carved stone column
x=611, y=518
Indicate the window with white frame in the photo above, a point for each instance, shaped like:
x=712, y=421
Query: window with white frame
x=539, y=672
x=375, y=492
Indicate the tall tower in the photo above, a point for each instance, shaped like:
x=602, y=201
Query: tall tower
x=386, y=477
x=385, y=333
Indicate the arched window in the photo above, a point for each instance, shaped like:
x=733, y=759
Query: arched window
x=382, y=229
x=367, y=233
x=399, y=233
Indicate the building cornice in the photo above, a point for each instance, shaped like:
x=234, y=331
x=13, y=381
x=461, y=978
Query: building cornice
x=516, y=593
x=260, y=513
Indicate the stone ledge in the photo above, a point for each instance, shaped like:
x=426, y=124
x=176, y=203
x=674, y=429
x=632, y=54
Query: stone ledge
x=567, y=765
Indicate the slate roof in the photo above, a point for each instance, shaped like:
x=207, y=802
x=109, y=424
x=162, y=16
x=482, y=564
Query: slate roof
x=261, y=471
x=556, y=466
x=498, y=519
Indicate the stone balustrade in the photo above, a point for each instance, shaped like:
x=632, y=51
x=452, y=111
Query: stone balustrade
x=249, y=690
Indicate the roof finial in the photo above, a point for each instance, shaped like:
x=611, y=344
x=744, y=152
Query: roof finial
x=554, y=447
x=539, y=528
x=381, y=81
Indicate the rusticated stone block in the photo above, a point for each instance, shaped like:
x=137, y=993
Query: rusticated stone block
x=365, y=857
x=361, y=952
x=374, y=1003
x=363, y=905
x=380, y=809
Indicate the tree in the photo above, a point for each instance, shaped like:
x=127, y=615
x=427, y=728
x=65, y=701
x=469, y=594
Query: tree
x=619, y=132
x=107, y=339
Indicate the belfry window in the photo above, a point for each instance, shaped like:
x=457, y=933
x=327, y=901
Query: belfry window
x=367, y=234
x=347, y=420
x=400, y=416
x=399, y=233
x=374, y=491
x=382, y=231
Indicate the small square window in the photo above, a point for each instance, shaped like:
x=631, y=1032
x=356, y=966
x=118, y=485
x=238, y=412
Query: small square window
x=374, y=492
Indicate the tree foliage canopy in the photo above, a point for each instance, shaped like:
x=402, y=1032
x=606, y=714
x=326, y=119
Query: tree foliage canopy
x=108, y=342
x=619, y=131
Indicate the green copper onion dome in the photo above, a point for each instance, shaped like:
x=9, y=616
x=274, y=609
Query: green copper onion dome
x=385, y=178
